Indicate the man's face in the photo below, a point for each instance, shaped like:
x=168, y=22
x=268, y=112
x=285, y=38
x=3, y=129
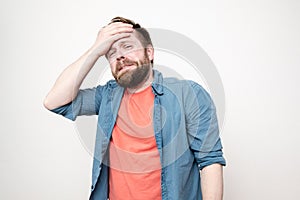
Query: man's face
x=129, y=61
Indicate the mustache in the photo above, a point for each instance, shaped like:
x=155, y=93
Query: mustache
x=124, y=62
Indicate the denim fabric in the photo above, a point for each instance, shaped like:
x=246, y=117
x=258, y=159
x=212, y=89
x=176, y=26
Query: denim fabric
x=185, y=127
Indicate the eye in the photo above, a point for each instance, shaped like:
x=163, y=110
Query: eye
x=127, y=46
x=111, y=54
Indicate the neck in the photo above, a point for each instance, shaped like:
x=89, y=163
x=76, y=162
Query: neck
x=146, y=83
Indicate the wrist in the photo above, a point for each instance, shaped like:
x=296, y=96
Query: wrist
x=96, y=50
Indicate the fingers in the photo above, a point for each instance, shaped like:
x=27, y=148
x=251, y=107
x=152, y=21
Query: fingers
x=118, y=24
x=117, y=27
x=119, y=36
x=109, y=34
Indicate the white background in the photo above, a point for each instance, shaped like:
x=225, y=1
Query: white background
x=255, y=46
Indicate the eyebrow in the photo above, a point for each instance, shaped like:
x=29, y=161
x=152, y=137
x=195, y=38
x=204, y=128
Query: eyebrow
x=110, y=51
x=126, y=41
x=121, y=43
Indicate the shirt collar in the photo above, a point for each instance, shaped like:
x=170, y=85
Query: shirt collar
x=157, y=83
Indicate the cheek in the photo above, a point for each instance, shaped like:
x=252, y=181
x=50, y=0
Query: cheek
x=137, y=58
x=131, y=56
x=137, y=54
x=113, y=66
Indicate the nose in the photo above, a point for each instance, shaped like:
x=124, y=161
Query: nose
x=119, y=58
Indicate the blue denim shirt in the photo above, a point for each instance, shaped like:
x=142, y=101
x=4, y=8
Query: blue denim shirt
x=185, y=128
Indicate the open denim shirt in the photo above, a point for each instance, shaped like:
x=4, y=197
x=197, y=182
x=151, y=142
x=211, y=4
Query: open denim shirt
x=185, y=127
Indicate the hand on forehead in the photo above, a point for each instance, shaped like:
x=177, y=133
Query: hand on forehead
x=118, y=27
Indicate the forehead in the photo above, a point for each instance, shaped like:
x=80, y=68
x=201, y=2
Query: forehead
x=133, y=39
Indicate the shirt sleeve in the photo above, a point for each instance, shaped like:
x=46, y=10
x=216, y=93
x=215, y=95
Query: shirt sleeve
x=202, y=127
x=87, y=102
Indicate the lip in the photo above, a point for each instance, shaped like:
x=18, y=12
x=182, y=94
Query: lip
x=126, y=67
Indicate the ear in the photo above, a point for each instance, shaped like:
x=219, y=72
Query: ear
x=150, y=52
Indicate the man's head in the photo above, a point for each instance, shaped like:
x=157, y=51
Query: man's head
x=141, y=33
x=131, y=58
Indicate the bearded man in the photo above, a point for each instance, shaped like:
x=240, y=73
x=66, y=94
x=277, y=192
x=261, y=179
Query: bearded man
x=157, y=138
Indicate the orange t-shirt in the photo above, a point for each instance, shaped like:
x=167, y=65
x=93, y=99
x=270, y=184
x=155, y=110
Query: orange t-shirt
x=135, y=169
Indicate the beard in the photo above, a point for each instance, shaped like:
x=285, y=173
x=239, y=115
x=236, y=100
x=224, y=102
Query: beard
x=133, y=77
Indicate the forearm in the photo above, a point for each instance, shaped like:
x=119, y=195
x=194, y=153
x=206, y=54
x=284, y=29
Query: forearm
x=68, y=83
x=212, y=182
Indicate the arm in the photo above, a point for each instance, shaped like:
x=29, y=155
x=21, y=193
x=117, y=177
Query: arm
x=212, y=182
x=68, y=83
x=205, y=141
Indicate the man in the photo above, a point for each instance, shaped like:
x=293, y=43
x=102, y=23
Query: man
x=157, y=138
